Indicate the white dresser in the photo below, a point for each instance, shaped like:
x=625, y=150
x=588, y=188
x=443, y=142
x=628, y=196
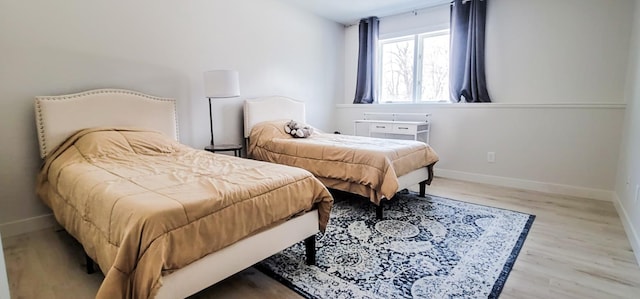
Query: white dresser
x=394, y=126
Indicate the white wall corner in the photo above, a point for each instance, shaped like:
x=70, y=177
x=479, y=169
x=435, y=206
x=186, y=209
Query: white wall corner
x=24, y=226
x=598, y=194
x=632, y=235
x=4, y=282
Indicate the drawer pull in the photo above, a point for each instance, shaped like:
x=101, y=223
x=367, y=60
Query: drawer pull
x=403, y=128
x=380, y=127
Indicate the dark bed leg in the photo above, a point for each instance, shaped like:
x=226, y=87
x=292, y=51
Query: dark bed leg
x=423, y=188
x=310, y=246
x=379, y=211
x=423, y=184
x=430, y=178
x=91, y=267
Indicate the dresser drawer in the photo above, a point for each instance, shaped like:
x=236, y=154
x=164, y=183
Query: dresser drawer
x=404, y=129
x=380, y=128
x=393, y=128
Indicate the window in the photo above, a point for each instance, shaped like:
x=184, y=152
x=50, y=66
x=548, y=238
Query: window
x=415, y=68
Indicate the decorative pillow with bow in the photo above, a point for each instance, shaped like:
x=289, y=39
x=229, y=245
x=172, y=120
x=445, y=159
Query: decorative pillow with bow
x=297, y=129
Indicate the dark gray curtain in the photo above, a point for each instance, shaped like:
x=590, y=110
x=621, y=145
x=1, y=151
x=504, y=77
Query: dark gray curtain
x=467, y=76
x=366, y=91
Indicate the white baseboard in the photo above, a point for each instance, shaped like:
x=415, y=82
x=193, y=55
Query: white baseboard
x=23, y=226
x=632, y=235
x=598, y=194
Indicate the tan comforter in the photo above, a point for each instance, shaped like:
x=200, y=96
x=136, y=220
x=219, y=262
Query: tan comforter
x=362, y=165
x=143, y=205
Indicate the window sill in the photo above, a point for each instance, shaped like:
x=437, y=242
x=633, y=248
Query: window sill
x=443, y=105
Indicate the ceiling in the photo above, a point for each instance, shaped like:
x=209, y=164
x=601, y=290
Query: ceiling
x=350, y=11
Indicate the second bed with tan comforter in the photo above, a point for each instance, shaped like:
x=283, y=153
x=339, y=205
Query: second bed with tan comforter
x=143, y=205
x=362, y=165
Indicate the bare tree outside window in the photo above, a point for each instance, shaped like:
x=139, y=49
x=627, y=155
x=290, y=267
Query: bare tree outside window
x=397, y=71
x=435, y=68
x=399, y=66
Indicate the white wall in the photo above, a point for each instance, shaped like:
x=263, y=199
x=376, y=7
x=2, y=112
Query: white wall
x=628, y=179
x=548, y=51
x=160, y=47
x=556, y=72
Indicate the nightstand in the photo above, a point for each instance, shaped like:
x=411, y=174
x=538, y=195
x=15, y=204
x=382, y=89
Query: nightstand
x=236, y=148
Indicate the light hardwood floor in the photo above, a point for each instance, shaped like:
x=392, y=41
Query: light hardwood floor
x=577, y=248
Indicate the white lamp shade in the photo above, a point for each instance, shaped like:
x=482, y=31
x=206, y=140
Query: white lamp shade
x=221, y=84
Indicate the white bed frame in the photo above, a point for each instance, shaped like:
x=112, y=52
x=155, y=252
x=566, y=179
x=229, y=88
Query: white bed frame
x=277, y=107
x=58, y=117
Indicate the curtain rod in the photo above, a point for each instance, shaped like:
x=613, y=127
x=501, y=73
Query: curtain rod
x=414, y=12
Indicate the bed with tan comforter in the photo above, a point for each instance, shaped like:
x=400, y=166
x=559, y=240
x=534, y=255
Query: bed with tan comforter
x=144, y=205
x=362, y=165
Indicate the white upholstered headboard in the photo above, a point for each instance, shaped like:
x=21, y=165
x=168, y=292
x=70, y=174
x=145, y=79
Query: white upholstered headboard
x=271, y=108
x=59, y=117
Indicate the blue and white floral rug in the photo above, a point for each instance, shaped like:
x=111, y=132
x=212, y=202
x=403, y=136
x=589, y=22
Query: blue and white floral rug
x=429, y=247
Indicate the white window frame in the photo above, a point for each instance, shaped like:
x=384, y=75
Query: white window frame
x=418, y=39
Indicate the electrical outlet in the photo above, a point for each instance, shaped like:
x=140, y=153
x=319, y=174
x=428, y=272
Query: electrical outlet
x=627, y=184
x=491, y=157
x=637, y=193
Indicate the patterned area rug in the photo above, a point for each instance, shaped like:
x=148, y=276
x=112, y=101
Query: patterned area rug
x=429, y=247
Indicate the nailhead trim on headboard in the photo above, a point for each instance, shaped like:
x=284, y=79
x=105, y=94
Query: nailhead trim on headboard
x=43, y=142
x=40, y=99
